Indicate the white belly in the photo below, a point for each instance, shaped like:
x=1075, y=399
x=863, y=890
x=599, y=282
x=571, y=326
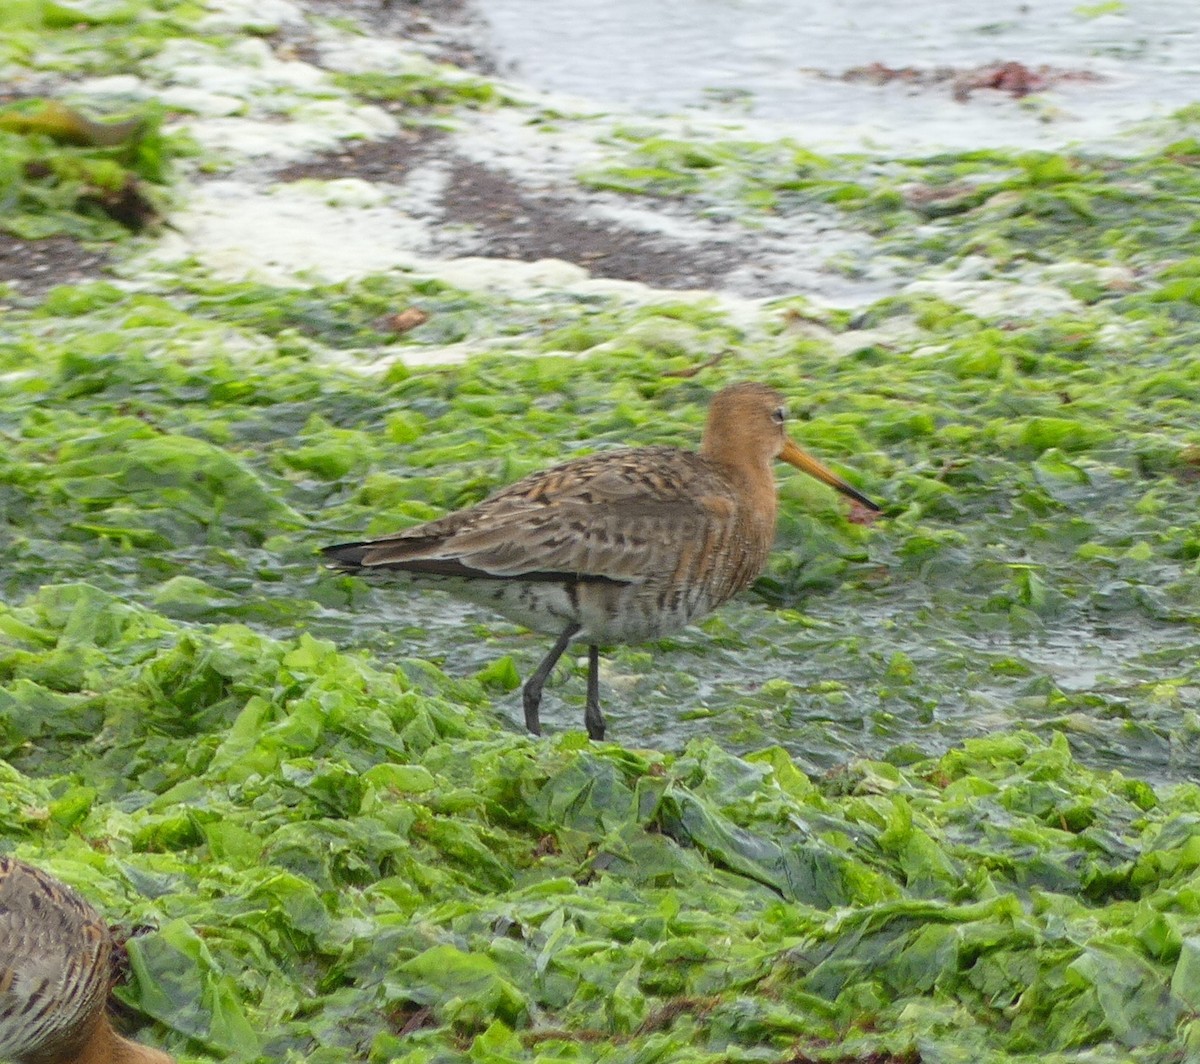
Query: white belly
x=606, y=613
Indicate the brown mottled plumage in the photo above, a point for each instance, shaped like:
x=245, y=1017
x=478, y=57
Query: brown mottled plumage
x=55, y=973
x=617, y=547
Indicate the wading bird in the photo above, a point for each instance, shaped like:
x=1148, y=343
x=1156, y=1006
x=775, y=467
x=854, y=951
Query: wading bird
x=617, y=547
x=55, y=974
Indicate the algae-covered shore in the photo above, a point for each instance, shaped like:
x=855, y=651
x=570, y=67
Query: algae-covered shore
x=928, y=793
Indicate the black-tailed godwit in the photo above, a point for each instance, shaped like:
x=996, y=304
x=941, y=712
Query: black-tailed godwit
x=617, y=547
x=55, y=974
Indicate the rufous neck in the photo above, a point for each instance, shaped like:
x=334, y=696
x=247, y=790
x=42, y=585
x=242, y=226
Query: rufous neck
x=748, y=472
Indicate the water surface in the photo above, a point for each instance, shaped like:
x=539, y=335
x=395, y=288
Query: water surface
x=783, y=61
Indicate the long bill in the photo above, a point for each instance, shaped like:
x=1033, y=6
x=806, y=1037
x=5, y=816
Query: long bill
x=805, y=461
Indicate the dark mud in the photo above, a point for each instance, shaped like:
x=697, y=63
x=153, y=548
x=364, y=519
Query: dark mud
x=33, y=267
x=484, y=212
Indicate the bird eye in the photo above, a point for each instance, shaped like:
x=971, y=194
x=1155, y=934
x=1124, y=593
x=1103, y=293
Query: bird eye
x=779, y=416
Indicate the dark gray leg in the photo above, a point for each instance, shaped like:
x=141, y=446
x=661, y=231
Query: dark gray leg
x=592, y=716
x=535, y=683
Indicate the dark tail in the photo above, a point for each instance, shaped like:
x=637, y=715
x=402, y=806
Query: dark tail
x=383, y=554
x=346, y=556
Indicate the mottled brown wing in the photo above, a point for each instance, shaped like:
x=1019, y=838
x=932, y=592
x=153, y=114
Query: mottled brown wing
x=616, y=516
x=54, y=964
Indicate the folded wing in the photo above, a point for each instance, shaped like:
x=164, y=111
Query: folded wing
x=613, y=517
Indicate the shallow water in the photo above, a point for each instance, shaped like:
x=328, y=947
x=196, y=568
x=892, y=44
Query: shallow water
x=824, y=687
x=783, y=62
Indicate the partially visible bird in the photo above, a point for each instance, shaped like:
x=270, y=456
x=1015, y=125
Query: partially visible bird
x=617, y=547
x=55, y=975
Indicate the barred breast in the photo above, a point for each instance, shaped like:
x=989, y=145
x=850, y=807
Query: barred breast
x=55, y=974
x=54, y=965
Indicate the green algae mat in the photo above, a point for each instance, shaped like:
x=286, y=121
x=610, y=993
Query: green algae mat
x=929, y=793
